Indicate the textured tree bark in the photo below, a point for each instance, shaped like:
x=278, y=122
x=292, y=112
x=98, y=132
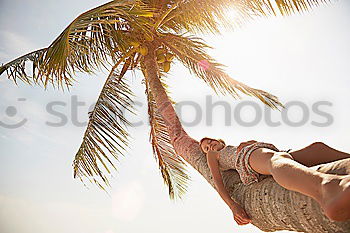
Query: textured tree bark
x=271, y=206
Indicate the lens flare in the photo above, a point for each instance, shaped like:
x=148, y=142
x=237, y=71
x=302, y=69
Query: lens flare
x=204, y=64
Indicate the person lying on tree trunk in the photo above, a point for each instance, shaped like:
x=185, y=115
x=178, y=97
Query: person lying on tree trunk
x=289, y=168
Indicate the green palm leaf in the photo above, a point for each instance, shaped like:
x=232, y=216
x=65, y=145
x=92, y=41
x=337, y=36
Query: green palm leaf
x=88, y=42
x=104, y=131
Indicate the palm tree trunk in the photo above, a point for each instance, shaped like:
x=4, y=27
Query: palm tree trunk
x=271, y=206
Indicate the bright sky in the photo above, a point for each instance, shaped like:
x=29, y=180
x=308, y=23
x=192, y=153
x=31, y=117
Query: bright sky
x=304, y=60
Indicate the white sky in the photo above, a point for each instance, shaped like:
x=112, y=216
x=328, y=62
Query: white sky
x=302, y=58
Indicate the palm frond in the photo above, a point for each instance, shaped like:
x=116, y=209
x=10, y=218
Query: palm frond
x=104, y=131
x=190, y=51
x=18, y=68
x=210, y=15
x=195, y=16
x=171, y=165
x=284, y=7
x=91, y=41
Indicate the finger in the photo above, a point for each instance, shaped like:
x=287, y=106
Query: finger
x=241, y=222
x=245, y=222
x=244, y=218
x=238, y=220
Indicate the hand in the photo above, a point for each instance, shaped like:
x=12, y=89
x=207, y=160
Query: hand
x=243, y=144
x=240, y=216
x=213, y=148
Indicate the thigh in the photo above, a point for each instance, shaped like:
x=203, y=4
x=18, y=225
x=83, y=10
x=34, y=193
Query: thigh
x=303, y=155
x=260, y=160
x=312, y=155
x=317, y=153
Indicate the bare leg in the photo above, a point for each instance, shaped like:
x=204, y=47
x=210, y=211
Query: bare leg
x=287, y=172
x=336, y=195
x=332, y=192
x=317, y=153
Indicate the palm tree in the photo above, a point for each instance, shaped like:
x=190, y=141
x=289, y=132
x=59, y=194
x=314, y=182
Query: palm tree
x=147, y=35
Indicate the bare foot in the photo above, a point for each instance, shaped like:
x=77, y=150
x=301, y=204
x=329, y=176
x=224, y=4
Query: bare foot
x=336, y=197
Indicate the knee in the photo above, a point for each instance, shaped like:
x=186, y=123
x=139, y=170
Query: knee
x=281, y=155
x=318, y=145
x=279, y=162
x=336, y=215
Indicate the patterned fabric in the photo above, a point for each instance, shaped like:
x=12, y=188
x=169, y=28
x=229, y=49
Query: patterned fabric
x=230, y=160
x=226, y=158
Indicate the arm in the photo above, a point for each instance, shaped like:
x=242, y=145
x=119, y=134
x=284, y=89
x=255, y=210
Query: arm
x=240, y=216
x=212, y=158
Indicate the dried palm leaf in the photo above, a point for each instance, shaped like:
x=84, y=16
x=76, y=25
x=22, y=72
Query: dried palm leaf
x=190, y=51
x=171, y=165
x=104, y=131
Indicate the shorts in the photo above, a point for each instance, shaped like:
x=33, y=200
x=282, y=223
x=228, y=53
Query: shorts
x=246, y=173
